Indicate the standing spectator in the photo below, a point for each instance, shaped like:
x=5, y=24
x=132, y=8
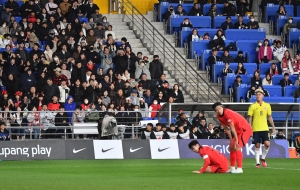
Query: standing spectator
x=106, y=58
x=229, y=9
x=28, y=81
x=64, y=91
x=279, y=51
x=121, y=61
x=64, y=6
x=97, y=16
x=47, y=121
x=70, y=106
x=58, y=77
x=78, y=117
x=142, y=69
x=79, y=73
x=13, y=7
x=50, y=90
x=90, y=8
x=242, y=7
x=51, y=7
x=156, y=68
x=265, y=52
x=287, y=63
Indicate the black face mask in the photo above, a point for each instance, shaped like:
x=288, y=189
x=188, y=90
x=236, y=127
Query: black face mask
x=51, y=33
x=171, y=10
x=91, y=48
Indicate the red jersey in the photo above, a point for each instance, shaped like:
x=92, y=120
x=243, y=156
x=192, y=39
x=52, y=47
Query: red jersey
x=212, y=157
x=239, y=122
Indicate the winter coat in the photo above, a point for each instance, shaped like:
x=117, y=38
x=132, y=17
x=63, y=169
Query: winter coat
x=140, y=70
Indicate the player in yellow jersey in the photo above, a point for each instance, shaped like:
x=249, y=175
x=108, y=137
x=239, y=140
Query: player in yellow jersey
x=258, y=113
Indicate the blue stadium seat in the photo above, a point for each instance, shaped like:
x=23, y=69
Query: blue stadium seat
x=293, y=37
x=275, y=99
x=241, y=92
x=281, y=22
x=20, y=3
x=82, y=19
x=163, y=120
x=2, y=49
x=252, y=56
x=276, y=79
x=263, y=68
x=146, y=118
x=218, y=20
x=200, y=46
x=274, y=90
x=163, y=7
x=184, y=34
x=197, y=22
x=205, y=55
x=3, y=2
x=271, y=11
x=229, y=80
x=206, y=8
x=28, y=49
x=289, y=90
x=246, y=45
x=18, y=19
x=217, y=69
x=236, y=34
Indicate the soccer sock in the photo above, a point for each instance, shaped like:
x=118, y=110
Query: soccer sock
x=257, y=155
x=239, y=158
x=232, y=159
x=265, y=152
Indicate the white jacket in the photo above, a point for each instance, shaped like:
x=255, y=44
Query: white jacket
x=64, y=93
x=278, y=53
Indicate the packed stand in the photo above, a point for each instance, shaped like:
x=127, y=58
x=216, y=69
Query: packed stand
x=61, y=63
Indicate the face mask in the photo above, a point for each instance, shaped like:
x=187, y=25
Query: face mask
x=142, y=64
x=186, y=22
x=104, y=20
x=259, y=44
x=86, y=102
x=51, y=34
x=154, y=103
x=290, y=21
x=63, y=33
x=252, y=19
x=136, y=109
x=171, y=10
x=22, y=35
x=91, y=3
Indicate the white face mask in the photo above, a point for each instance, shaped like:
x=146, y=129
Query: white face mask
x=86, y=102
x=142, y=64
x=252, y=19
x=63, y=33
x=290, y=21
x=136, y=109
x=154, y=103
x=22, y=35
x=4, y=25
x=55, y=58
x=259, y=44
x=104, y=20
x=186, y=22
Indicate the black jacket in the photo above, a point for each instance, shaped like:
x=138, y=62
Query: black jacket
x=237, y=25
x=212, y=60
x=253, y=25
x=77, y=93
x=227, y=59
x=242, y=8
x=156, y=69
x=60, y=118
x=284, y=83
x=50, y=91
x=229, y=10
x=121, y=63
x=179, y=97
x=194, y=12
x=239, y=59
x=78, y=73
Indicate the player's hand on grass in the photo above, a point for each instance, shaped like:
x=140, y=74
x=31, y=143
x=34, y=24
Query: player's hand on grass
x=196, y=172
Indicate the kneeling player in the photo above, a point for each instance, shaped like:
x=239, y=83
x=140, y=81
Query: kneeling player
x=214, y=161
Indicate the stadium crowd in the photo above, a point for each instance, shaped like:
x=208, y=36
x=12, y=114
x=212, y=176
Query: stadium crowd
x=63, y=63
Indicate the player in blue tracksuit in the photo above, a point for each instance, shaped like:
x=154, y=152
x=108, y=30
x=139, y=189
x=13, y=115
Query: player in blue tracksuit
x=4, y=133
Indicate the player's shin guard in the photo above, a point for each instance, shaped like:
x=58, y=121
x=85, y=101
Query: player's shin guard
x=265, y=152
x=232, y=158
x=257, y=155
x=239, y=158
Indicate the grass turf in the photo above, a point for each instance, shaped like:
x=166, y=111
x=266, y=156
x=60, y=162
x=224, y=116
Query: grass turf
x=144, y=175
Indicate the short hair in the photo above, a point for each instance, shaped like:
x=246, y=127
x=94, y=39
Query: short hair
x=172, y=125
x=193, y=143
x=286, y=74
x=228, y=17
x=150, y=124
x=158, y=124
x=2, y=123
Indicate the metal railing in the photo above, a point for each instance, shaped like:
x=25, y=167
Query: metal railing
x=195, y=84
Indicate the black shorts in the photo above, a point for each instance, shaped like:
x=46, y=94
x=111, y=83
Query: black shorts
x=260, y=137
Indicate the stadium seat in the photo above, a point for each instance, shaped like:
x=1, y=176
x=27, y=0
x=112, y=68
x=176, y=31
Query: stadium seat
x=220, y=8
x=218, y=20
x=20, y=3
x=82, y=19
x=280, y=22
x=202, y=45
x=271, y=11
x=246, y=45
x=18, y=19
x=197, y=22
x=289, y=90
x=276, y=79
x=252, y=56
x=241, y=92
x=163, y=120
x=263, y=68
x=274, y=90
x=184, y=34
x=293, y=37
x=229, y=80
x=146, y=118
x=28, y=49
x=163, y=7
x=275, y=99
x=236, y=34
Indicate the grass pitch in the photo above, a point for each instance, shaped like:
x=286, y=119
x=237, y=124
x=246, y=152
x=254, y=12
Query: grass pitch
x=144, y=175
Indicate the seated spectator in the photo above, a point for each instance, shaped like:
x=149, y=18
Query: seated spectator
x=194, y=35
x=278, y=51
x=297, y=82
x=154, y=109
x=256, y=79
x=54, y=104
x=213, y=11
x=148, y=97
x=64, y=91
x=156, y=68
x=143, y=107
x=49, y=52
x=240, y=58
x=296, y=93
x=64, y=6
x=287, y=26
x=186, y=23
x=239, y=24
x=226, y=57
x=198, y=118
x=287, y=63
x=218, y=41
x=142, y=69
x=266, y=93
x=229, y=9
x=168, y=13
x=97, y=16
x=59, y=77
x=180, y=11
x=240, y=70
x=251, y=92
x=267, y=80
x=160, y=97
x=51, y=7
x=286, y=81
x=227, y=24
x=226, y=69
x=252, y=24
x=273, y=70
x=281, y=11
x=237, y=82
x=195, y=11
x=265, y=52
x=280, y=135
x=206, y=36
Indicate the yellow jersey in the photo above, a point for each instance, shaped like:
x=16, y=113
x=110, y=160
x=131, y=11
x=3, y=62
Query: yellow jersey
x=259, y=115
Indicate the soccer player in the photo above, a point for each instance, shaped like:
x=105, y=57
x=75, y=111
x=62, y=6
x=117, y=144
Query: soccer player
x=258, y=113
x=214, y=161
x=236, y=125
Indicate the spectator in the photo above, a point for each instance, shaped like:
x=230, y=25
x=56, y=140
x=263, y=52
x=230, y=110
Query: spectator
x=136, y=116
x=49, y=52
x=182, y=120
x=134, y=97
x=58, y=77
x=90, y=8
x=213, y=60
x=176, y=93
x=47, y=121
x=226, y=69
x=296, y=93
x=256, y=79
x=64, y=91
x=195, y=11
x=51, y=7
x=237, y=82
x=240, y=58
x=142, y=69
x=109, y=31
x=154, y=109
x=227, y=24
x=239, y=24
x=78, y=117
x=213, y=11
x=97, y=16
x=266, y=93
x=280, y=135
x=160, y=97
x=252, y=24
x=156, y=68
x=28, y=81
x=265, y=52
x=186, y=23
x=240, y=70
x=273, y=70
x=50, y=90
x=13, y=7
x=218, y=41
x=251, y=92
x=147, y=131
x=203, y=130
x=126, y=76
x=226, y=57
x=64, y=6
x=18, y=121
x=242, y=7
x=194, y=35
x=281, y=11
x=278, y=51
x=157, y=133
x=287, y=26
x=183, y=132
x=168, y=13
x=229, y=9
x=267, y=80
x=122, y=116
x=180, y=11
x=297, y=82
x=287, y=63
x=285, y=81
x=198, y=118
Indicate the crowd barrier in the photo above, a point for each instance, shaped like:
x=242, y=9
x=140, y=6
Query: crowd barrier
x=123, y=149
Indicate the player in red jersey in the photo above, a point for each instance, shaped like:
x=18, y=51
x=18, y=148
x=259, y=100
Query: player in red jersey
x=214, y=161
x=239, y=132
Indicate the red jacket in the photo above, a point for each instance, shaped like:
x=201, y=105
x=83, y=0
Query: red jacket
x=31, y=19
x=53, y=106
x=154, y=109
x=261, y=53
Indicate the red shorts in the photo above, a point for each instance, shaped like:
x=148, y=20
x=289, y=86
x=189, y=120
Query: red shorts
x=222, y=168
x=243, y=138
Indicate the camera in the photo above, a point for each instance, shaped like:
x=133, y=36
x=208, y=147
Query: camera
x=217, y=131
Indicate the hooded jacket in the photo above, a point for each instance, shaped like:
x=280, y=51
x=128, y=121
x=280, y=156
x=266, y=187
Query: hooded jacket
x=69, y=108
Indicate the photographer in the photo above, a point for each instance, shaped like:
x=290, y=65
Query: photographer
x=217, y=133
